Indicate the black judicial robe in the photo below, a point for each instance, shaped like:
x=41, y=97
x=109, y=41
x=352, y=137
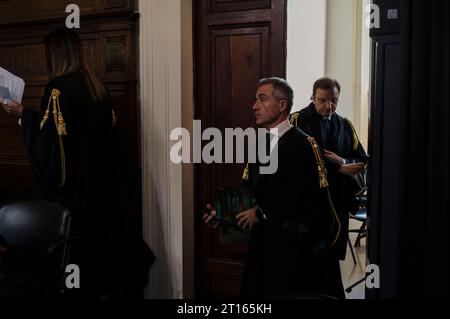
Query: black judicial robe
x=342, y=140
x=113, y=261
x=283, y=260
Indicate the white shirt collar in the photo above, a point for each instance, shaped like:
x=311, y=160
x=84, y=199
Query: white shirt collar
x=283, y=128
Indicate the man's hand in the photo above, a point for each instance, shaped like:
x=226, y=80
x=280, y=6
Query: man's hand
x=209, y=218
x=333, y=157
x=11, y=107
x=247, y=219
x=352, y=169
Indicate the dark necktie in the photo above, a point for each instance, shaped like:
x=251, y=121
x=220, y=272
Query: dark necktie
x=325, y=125
x=268, y=139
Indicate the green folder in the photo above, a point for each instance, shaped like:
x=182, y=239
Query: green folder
x=229, y=203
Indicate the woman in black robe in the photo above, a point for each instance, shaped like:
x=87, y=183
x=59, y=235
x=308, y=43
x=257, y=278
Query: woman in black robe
x=70, y=145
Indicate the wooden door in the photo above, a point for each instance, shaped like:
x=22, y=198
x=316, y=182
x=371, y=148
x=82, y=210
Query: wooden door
x=236, y=44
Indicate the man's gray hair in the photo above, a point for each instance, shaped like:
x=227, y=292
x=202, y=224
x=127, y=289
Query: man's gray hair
x=282, y=90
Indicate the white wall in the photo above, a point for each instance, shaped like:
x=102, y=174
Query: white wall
x=306, y=47
x=328, y=38
x=366, y=44
x=340, y=51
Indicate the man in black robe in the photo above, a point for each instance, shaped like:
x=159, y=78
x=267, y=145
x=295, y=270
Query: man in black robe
x=291, y=223
x=345, y=157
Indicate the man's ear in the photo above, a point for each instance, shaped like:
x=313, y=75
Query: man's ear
x=283, y=106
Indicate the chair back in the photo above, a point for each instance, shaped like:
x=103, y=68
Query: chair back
x=31, y=228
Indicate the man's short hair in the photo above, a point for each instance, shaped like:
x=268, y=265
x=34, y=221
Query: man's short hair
x=282, y=90
x=325, y=84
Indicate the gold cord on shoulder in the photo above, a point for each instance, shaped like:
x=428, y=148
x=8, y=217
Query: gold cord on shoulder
x=47, y=111
x=60, y=128
x=293, y=118
x=323, y=183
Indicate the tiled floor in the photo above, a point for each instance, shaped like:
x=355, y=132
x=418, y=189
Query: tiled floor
x=352, y=273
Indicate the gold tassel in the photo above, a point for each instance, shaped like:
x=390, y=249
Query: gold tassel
x=60, y=124
x=293, y=118
x=114, y=119
x=60, y=127
x=46, y=115
x=44, y=120
x=323, y=182
x=246, y=175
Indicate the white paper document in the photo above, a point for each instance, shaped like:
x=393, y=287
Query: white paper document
x=12, y=85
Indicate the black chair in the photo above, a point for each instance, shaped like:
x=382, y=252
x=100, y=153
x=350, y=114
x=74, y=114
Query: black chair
x=361, y=216
x=35, y=237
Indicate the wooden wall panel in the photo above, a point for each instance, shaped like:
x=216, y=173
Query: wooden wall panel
x=108, y=32
x=34, y=11
x=242, y=5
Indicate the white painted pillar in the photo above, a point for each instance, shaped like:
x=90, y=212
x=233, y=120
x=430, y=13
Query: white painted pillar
x=161, y=96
